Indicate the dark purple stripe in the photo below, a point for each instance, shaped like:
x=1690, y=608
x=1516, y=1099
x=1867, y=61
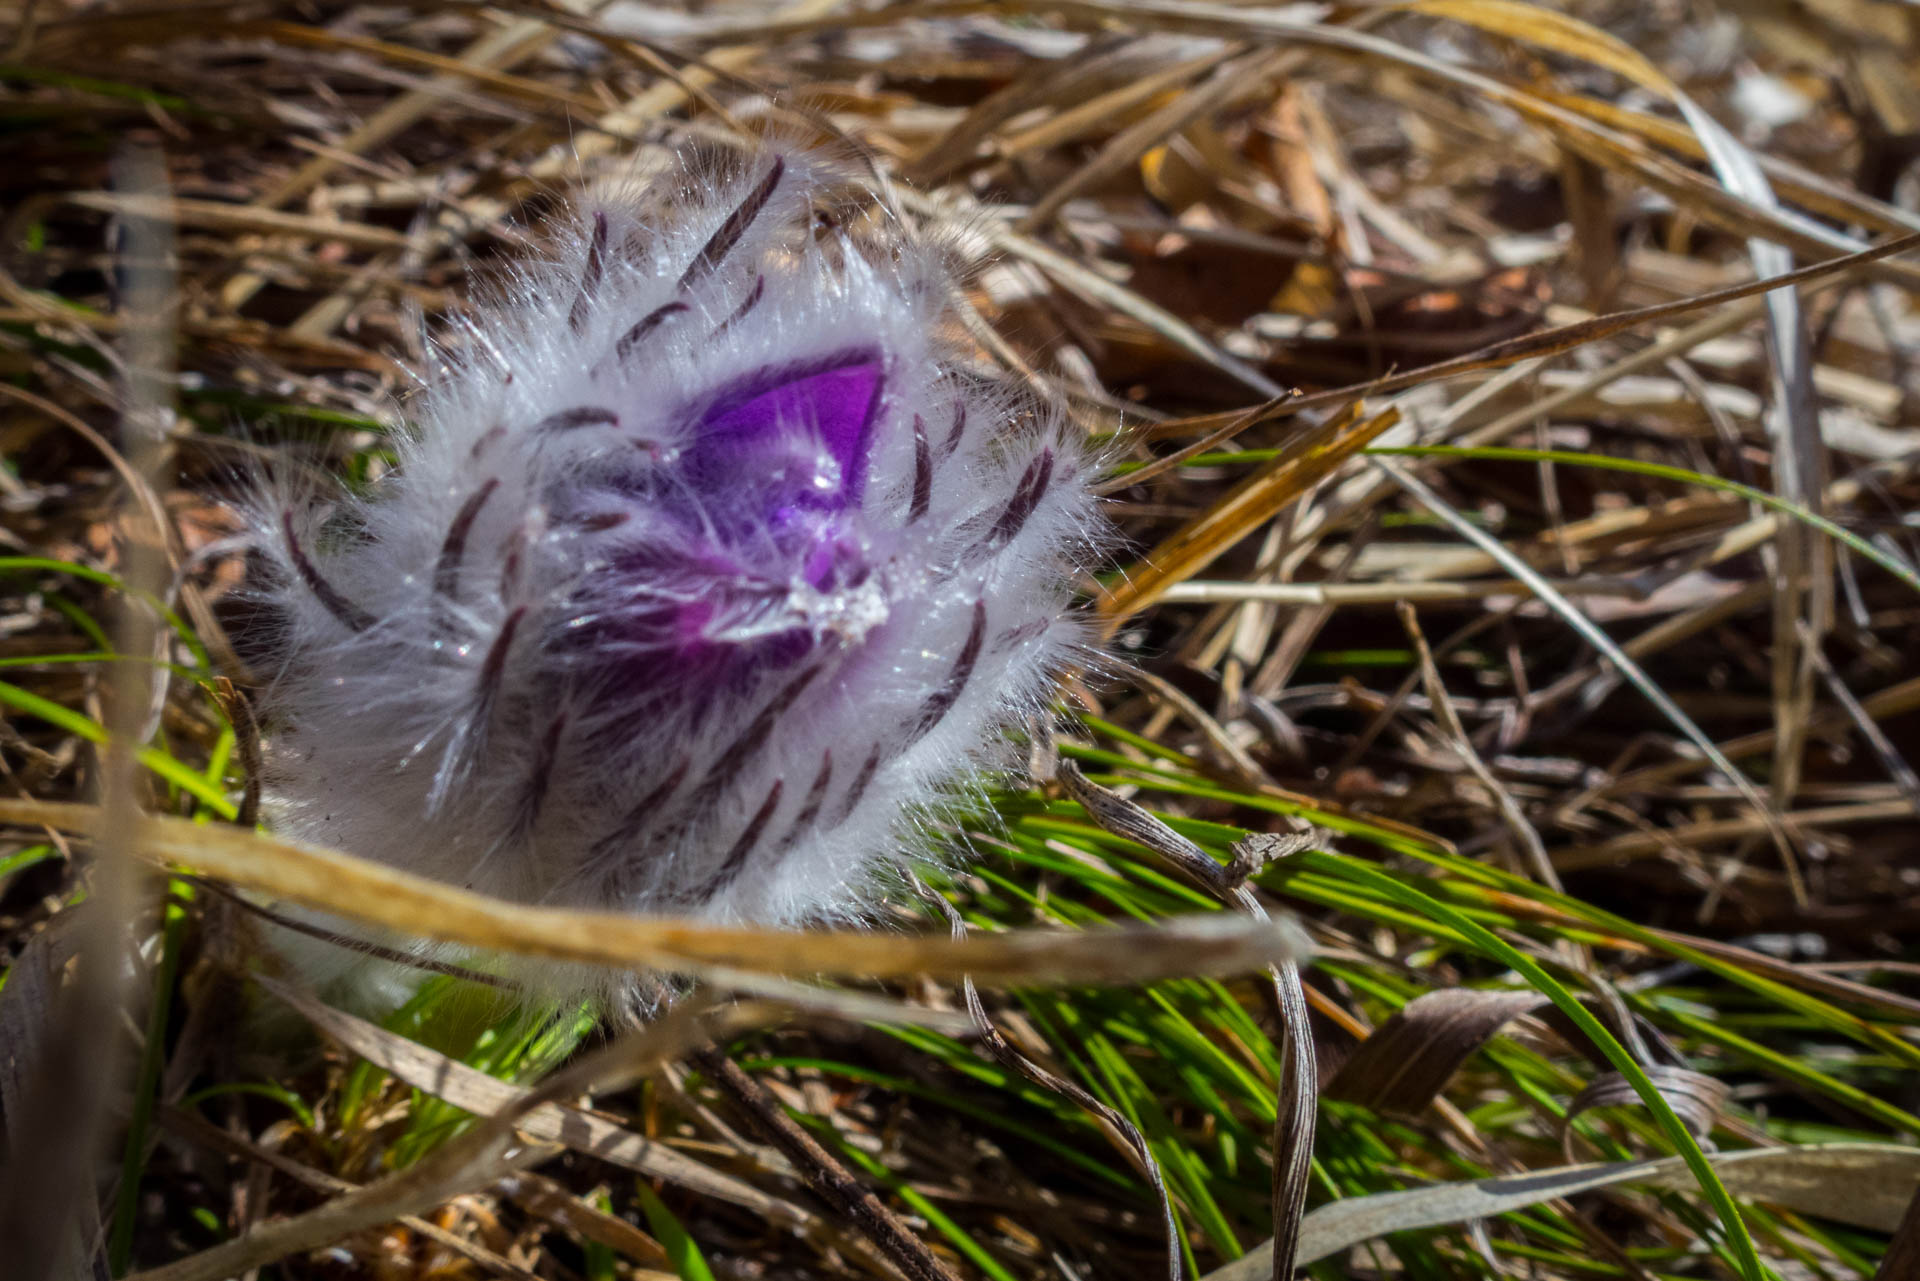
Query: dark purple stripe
x=349, y=614
x=581, y=416
x=1019, y=508
x=590, y=276
x=541, y=777
x=721, y=243
x=446, y=574
x=736, y=860
x=922, y=472
x=632, y=339
x=747, y=304
x=941, y=701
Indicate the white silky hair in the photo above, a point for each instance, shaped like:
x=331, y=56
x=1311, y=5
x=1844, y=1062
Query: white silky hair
x=556, y=657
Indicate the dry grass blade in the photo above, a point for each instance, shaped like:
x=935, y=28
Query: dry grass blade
x=1864, y=724
x=1818, y=194
x=1078, y=118
x=1833, y=986
x=1240, y=77
x=1550, y=29
x=1217, y=436
x=505, y=46
x=1801, y=588
x=1806, y=1178
x=1124, y=1134
x=1552, y=342
x=1294, y=1122
x=1525, y=835
x=1296, y=1114
x=373, y=894
x=1399, y=591
x=1098, y=289
x=552, y=1202
x=207, y=1135
x=826, y=1002
x=431, y=1072
x=1615, y=655
x=59, y=1126
x=1256, y=500
x=1048, y=83
x=829, y=1179
x=471, y=68
x=1711, y=832
x=1718, y=203
x=485, y=1153
x=214, y=216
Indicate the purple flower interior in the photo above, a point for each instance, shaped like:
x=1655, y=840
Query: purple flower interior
x=834, y=399
x=782, y=452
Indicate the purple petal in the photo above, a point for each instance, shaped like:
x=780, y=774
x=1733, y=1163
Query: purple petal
x=837, y=398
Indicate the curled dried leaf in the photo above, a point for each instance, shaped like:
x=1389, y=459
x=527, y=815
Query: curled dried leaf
x=1409, y=1059
x=1695, y=1097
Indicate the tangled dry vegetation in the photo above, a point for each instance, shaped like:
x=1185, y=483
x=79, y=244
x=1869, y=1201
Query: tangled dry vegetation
x=1521, y=600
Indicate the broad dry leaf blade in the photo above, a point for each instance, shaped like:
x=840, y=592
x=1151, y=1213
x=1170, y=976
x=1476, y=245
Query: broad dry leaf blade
x=1867, y=1185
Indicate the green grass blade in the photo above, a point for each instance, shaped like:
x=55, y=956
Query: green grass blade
x=1492, y=945
x=1572, y=458
x=684, y=1254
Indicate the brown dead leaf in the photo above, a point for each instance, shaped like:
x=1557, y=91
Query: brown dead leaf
x=1409, y=1059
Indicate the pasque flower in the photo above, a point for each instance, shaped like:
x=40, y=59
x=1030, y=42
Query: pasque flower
x=710, y=568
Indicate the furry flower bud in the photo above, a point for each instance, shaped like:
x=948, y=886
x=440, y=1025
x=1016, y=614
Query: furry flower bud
x=706, y=572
